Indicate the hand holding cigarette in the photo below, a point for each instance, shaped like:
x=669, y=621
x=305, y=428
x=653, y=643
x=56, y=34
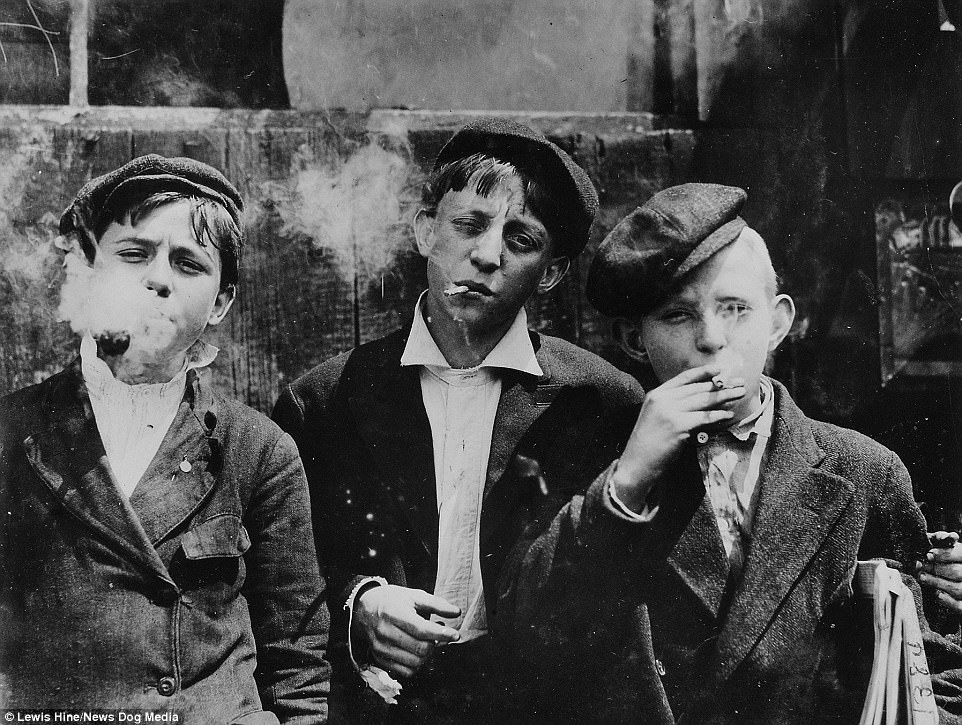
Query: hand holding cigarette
x=942, y=568
x=670, y=414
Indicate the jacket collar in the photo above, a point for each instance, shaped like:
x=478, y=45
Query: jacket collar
x=68, y=454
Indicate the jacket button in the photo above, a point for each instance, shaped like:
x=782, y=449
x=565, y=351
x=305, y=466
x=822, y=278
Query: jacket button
x=702, y=437
x=660, y=668
x=166, y=686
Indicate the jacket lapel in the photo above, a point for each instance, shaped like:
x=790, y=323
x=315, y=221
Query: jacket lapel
x=797, y=507
x=68, y=456
x=699, y=557
x=521, y=404
x=166, y=494
x=389, y=414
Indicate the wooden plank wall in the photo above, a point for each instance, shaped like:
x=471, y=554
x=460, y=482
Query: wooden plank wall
x=329, y=260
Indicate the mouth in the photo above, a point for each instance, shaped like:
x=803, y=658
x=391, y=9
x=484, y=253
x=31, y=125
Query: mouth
x=467, y=286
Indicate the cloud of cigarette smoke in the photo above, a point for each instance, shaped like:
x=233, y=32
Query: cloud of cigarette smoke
x=352, y=208
x=95, y=301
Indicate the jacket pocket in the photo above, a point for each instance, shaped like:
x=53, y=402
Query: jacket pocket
x=210, y=563
x=221, y=536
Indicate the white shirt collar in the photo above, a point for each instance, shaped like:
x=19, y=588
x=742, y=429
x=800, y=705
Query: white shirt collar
x=759, y=422
x=98, y=374
x=513, y=351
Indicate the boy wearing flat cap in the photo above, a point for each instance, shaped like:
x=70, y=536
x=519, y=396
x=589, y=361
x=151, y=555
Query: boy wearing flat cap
x=156, y=550
x=709, y=569
x=428, y=451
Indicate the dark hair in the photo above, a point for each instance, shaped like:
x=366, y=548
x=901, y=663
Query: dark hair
x=210, y=221
x=488, y=172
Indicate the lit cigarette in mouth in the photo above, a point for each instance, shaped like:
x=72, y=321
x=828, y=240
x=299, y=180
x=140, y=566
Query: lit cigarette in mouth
x=720, y=382
x=457, y=289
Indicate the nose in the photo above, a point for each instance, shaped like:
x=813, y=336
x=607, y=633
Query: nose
x=486, y=255
x=158, y=276
x=712, y=333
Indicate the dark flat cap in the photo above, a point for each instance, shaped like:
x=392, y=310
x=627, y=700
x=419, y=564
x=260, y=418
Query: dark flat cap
x=148, y=174
x=536, y=156
x=643, y=258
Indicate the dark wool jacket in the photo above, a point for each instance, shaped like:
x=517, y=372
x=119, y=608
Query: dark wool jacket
x=644, y=622
x=200, y=594
x=363, y=433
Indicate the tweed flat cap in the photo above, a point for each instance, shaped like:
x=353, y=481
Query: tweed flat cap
x=535, y=155
x=149, y=173
x=650, y=250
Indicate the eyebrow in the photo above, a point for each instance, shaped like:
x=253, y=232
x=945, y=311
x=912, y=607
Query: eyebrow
x=204, y=253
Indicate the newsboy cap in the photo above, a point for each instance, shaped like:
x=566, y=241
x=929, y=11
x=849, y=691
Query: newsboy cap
x=653, y=248
x=532, y=153
x=148, y=174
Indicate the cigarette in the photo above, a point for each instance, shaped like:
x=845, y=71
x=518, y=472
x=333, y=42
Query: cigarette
x=113, y=343
x=458, y=289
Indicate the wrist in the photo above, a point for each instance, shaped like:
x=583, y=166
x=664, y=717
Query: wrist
x=631, y=487
x=357, y=640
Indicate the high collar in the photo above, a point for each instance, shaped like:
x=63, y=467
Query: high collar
x=514, y=351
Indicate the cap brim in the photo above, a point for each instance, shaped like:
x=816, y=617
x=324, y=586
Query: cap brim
x=169, y=182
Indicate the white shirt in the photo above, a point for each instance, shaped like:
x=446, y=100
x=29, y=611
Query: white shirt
x=461, y=405
x=133, y=419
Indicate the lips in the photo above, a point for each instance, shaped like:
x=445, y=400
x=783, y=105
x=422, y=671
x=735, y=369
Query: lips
x=481, y=289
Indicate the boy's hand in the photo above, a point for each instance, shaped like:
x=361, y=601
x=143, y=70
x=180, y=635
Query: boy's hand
x=669, y=415
x=393, y=622
x=942, y=569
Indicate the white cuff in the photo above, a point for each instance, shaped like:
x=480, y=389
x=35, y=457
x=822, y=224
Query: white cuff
x=377, y=679
x=642, y=517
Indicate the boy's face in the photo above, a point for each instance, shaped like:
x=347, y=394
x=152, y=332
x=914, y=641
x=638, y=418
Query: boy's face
x=159, y=284
x=723, y=315
x=493, y=245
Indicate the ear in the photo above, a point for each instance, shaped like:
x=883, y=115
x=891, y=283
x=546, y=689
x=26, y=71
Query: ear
x=553, y=274
x=628, y=335
x=783, y=315
x=222, y=304
x=424, y=231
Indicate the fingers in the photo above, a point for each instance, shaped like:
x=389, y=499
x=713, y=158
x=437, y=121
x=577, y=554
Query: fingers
x=424, y=630
x=951, y=589
x=943, y=541
x=428, y=604
x=400, y=654
x=950, y=602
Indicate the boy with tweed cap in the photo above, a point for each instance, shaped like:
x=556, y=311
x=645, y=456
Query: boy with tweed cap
x=714, y=558
x=428, y=451
x=156, y=550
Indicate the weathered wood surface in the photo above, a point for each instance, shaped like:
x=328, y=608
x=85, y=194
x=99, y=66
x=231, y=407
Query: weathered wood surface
x=329, y=260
